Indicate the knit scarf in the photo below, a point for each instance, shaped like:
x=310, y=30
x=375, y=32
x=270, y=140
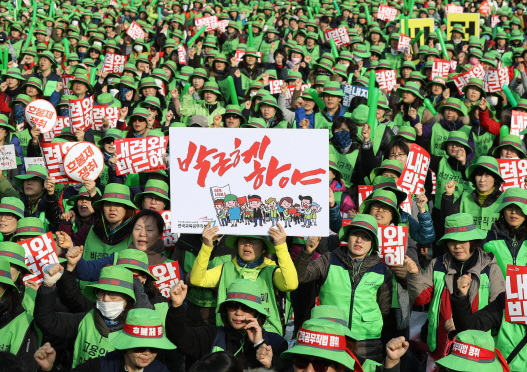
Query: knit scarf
x=483, y=197
x=251, y=265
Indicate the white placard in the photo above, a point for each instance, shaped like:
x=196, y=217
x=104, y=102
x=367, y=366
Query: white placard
x=7, y=157
x=83, y=161
x=42, y=114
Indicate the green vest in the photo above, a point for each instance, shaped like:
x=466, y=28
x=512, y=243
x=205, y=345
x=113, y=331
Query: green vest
x=314, y=54
x=440, y=135
x=509, y=336
x=283, y=125
x=262, y=277
x=503, y=255
x=203, y=297
x=230, y=46
x=322, y=123
x=345, y=163
x=265, y=48
x=224, y=87
x=12, y=334
x=257, y=40
x=445, y=175
x=482, y=144
x=28, y=302
x=246, y=82
x=365, y=317
x=24, y=138
x=399, y=122
x=483, y=217
x=89, y=342
x=435, y=303
x=50, y=87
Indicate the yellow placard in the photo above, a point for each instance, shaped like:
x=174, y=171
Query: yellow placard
x=417, y=24
x=469, y=21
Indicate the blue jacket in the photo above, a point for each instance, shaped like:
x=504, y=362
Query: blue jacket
x=90, y=271
x=300, y=113
x=18, y=148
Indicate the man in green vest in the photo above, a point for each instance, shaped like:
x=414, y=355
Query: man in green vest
x=50, y=79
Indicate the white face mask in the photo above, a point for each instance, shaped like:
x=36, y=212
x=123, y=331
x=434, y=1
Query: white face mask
x=346, y=64
x=492, y=100
x=138, y=48
x=253, y=94
x=185, y=7
x=110, y=310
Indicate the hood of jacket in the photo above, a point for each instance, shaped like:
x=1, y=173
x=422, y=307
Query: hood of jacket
x=337, y=186
x=457, y=125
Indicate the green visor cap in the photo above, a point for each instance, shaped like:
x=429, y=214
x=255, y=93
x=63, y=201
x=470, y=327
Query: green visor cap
x=487, y=162
x=365, y=222
x=325, y=340
x=389, y=184
x=112, y=279
x=231, y=241
x=155, y=187
x=458, y=137
x=234, y=110
x=391, y=165
x=245, y=292
x=29, y=226
x=115, y=193
x=382, y=196
x=509, y=140
x=39, y=171
x=14, y=253
x=111, y=133
x=142, y=328
x=333, y=88
x=460, y=227
x=12, y=205
x=513, y=195
x=134, y=259
x=475, y=83
x=5, y=274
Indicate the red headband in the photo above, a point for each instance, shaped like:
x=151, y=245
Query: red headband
x=143, y=331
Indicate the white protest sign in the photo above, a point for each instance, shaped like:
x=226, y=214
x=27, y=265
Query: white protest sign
x=135, y=31
x=250, y=163
x=7, y=157
x=83, y=161
x=40, y=251
x=518, y=123
x=53, y=154
x=111, y=113
x=33, y=161
x=41, y=114
x=403, y=44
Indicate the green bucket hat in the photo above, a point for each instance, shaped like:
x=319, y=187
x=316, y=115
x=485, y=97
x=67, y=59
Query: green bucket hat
x=112, y=279
x=406, y=132
x=513, y=195
x=5, y=274
x=83, y=193
x=155, y=187
x=360, y=114
x=34, y=82
x=410, y=87
x=83, y=79
x=453, y=103
x=458, y=137
x=14, y=73
x=148, y=82
x=388, y=183
x=474, y=351
x=116, y=193
x=362, y=222
x=142, y=328
x=139, y=112
x=362, y=51
x=387, y=164
x=333, y=88
x=39, y=171
x=245, y=292
x=324, y=63
x=29, y=226
x=4, y=123
x=12, y=205
x=134, y=259
x=14, y=253
x=234, y=110
x=255, y=123
x=487, y=162
x=231, y=240
x=460, y=227
x=475, y=83
x=509, y=140
x=269, y=101
x=382, y=196
x=210, y=86
x=335, y=315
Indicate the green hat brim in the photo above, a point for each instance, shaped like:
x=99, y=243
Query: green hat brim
x=231, y=240
x=19, y=180
x=253, y=305
x=483, y=93
x=5, y=210
x=476, y=234
x=268, y=104
x=366, y=207
x=14, y=261
x=523, y=206
x=468, y=149
x=8, y=281
x=99, y=203
x=403, y=89
x=344, y=233
x=122, y=341
x=338, y=356
x=89, y=290
x=460, y=364
x=135, y=267
x=473, y=167
x=138, y=199
x=495, y=152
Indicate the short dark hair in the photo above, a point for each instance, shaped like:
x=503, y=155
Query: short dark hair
x=160, y=224
x=324, y=19
x=218, y=362
x=397, y=143
x=352, y=126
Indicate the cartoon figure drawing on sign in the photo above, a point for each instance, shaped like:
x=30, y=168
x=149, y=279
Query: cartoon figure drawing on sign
x=220, y=212
x=256, y=208
x=272, y=210
x=234, y=211
x=309, y=209
x=297, y=213
x=286, y=204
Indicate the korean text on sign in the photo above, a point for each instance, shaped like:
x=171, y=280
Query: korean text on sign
x=440, y=68
x=65, y=80
x=386, y=13
x=352, y=91
x=169, y=238
x=392, y=244
x=168, y=274
x=135, y=31
x=111, y=113
x=41, y=114
x=451, y=8
x=404, y=43
x=462, y=79
x=40, y=251
x=53, y=154
x=494, y=79
x=222, y=25
x=83, y=161
x=414, y=173
x=386, y=79
x=81, y=113
x=136, y=155
x=516, y=294
x=513, y=172
x=275, y=86
x=518, y=123
x=114, y=63
x=210, y=22
x=289, y=93
x=62, y=122
x=340, y=35
x=181, y=54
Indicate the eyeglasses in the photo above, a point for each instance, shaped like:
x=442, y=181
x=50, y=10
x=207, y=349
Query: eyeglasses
x=380, y=207
x=233, y=306
x=6, y=216
x=231, y=116
x=101, y=294
x=153, y=199
x=153, y=350
x=397, y=156
x=319, y=365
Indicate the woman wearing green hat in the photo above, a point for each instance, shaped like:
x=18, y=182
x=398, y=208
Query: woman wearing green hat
x=11, y=87
x=134, y=350
x=114, y=297
x=11, y=211
x=438, y=283
x=274, y=116
x=250, y=70
x=250, y=263
x=17, y=333
x=210, y=106
x=410, y=106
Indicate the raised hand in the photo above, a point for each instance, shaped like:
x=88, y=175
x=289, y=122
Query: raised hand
x=63, y=240
x=178, y=293
x=49, y=185
x=279, y=235
x=422, y=200
x=209, y=235
x=463, y=284
x=45, y=357
x=410, y=265
x=73, y=256
x=264, y=355
x=395, y=349
x=312, y=243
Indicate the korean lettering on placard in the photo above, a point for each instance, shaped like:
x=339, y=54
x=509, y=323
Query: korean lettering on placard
x=40, y=251
x=494, y=20
x=404, y=43
x=114, y=63
x=340, y=35
x=491, y=81
x=518, y=123
x=84, y=161
x=65, y=80
x=136, y=155
x=169, y=238
x=53, y=154
x=364, y=192
x=451, y=8
x=352, y=91
x=275, y=86
x=222, y=25
x=168, y=274
x=81, y=113
x=62, y=122
x=210, y=22
x=392, y=244
x=181, y=54
x=513, y=172
x=386, y=79
x=40, y=116
x=386, y=13
x=462, y=79
x=440, y=68
x=516, y=294
x=135, y=31
x=256, y=153
x=111, y=113
x=414, y=173
x=289, y=93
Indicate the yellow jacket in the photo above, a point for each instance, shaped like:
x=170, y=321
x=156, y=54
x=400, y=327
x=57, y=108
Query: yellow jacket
x=285, y=278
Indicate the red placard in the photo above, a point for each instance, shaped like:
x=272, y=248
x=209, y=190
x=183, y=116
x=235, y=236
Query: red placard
x=275, y=86
x=451, y=8
x=169, y=238
x=386, y=79
x=289, y=93
x=340, y=35
x=40, y=251
x=114, y=3
x=495, y=19
x=513, y=172
x=484, y=8
x=136, y=155
x=386, y=13
x=441, y=68
x=392, y=244
x=81, y=113
x=516, y=294
x=114, y=63
x=168, y=274
x=414, y=172
x=65, y=80
x=62, y=122
x=111, y=113
x=404, y=43
x=364, y=192
x=210, y=22
x=182, y=55
x=462, y=79
x=518, y=123
x=494, y=79
x=135, y=31
x=54, y=154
